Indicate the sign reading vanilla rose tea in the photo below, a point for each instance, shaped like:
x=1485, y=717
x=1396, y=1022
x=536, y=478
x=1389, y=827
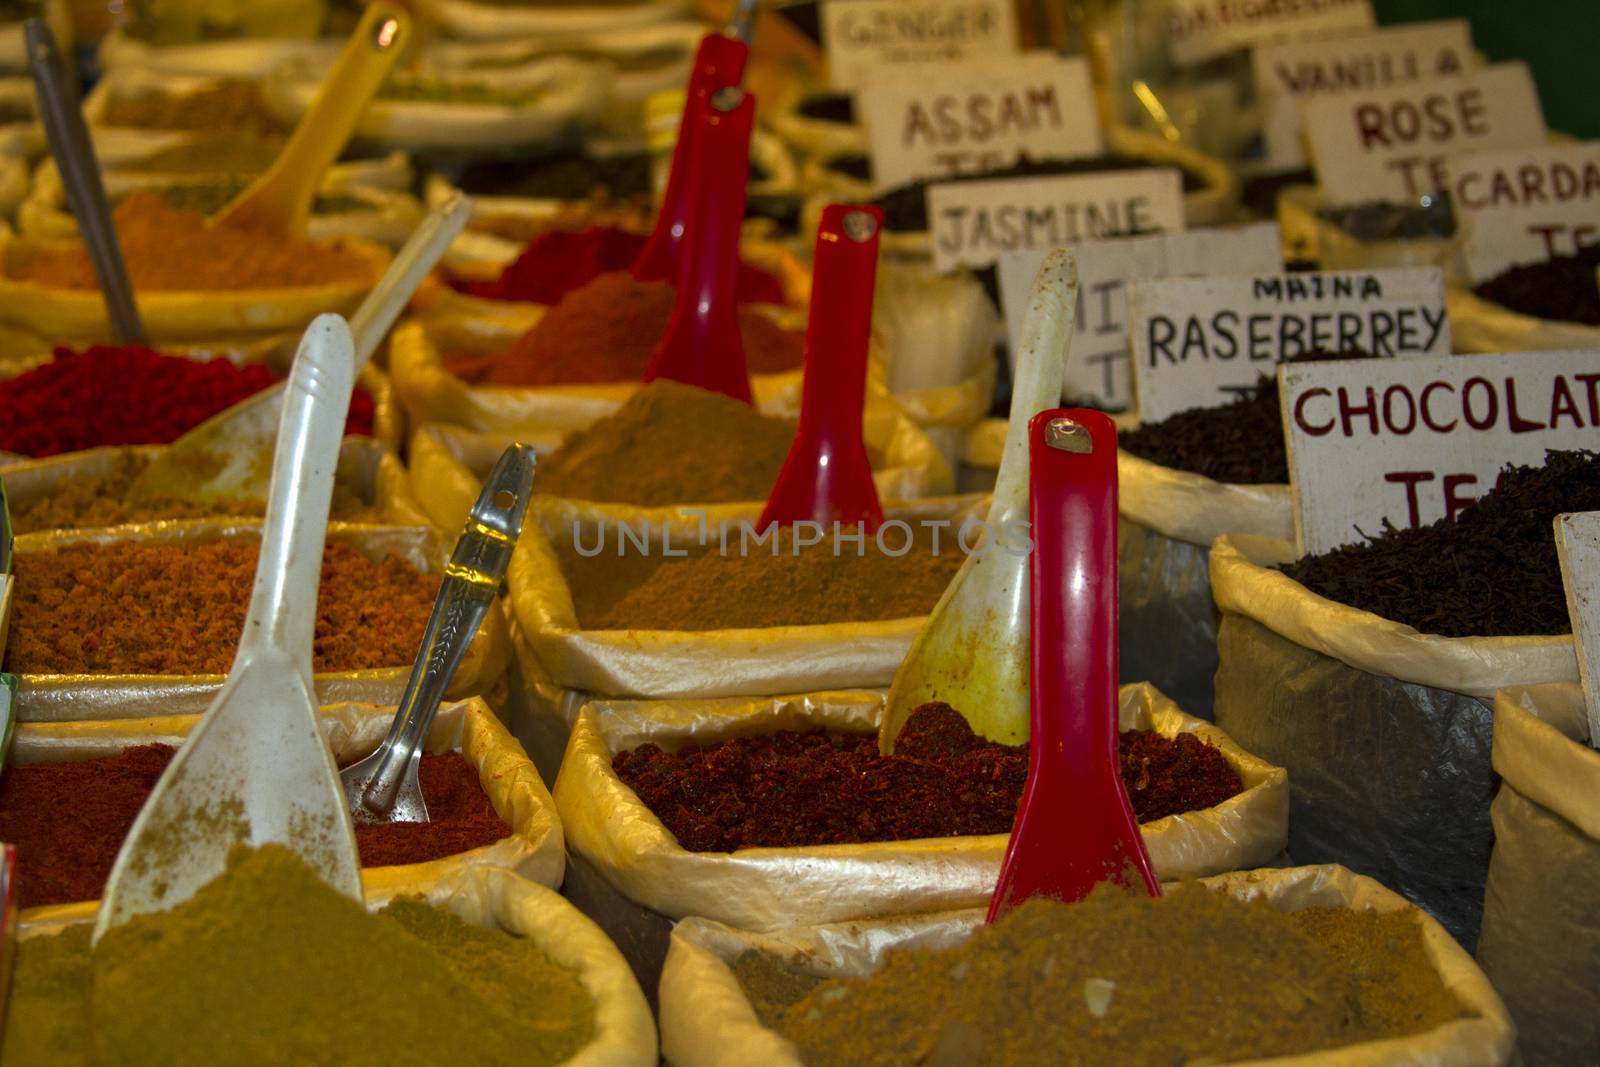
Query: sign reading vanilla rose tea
x=1199, y=30
x=1097, y=360
x=1525, y=205
x=859, y=36
x=1411, y=441
x=1392, y=144
x=943, y=120
x=1200, y=342
x=973, y=223
x=1289, y=72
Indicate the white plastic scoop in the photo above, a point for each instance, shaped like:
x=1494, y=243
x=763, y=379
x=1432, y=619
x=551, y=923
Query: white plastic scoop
x=255, y=770
x=221, y=458
x=973, y=652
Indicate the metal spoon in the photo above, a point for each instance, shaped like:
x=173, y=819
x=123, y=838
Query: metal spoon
x=973, y=652
x=383, y=787
x=80, y=175
x=255, y=770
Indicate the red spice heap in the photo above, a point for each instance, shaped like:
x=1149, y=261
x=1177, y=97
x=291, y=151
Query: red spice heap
x=559, y=261
x=128, y=395
x=607, y=331
x=791, y=789
x=68, y=819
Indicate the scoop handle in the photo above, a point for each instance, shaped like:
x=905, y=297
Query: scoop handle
x=827, y=476
x=80, y=176
x=471, y=583
x=718, y=61
x=701, y=345
x=371, y=322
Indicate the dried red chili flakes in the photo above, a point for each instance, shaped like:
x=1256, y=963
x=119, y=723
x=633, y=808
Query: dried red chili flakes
x=797, y=788
x=68, y=820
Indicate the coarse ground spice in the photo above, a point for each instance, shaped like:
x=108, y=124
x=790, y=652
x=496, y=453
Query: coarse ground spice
x=1123, y=978
x=129, y=395
x=68, y=819
x=171, y=249
x=562, y=176
x=226, y=105
x=671, y=444
x=1492, y=571
x=1561, y=288
x=236, y=152
x=271, y=965
x=793, y=788
x=606, y=331
x=131, y=608
x=756, y=587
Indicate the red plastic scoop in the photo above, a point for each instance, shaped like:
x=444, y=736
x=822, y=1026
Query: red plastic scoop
x=701, y=345
x=1074, y=827
x=826, y=476
x=718, y=62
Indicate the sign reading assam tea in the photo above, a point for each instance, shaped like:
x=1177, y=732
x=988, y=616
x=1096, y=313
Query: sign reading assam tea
x=1525, y=205
x=974, y=117
x=1198, y=30
x=1392, y=144
x=1199, y=342
x=1410, y=441
x=1578, y=546
x=1097, y=360
x=859, y=36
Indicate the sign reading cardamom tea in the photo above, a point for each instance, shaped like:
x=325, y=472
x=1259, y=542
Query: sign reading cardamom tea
x=1525, y=205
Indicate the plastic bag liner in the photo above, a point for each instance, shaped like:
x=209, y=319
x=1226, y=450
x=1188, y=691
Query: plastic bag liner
x=534, y=848
x=1477, y=325
x=700, y=663
x=707, y=1020
x=1307, y=235
x=72, y=697
x=770, y=888
x=1541, y=932
x=1385, y=731
x=625, y=1034
x=1167, y=519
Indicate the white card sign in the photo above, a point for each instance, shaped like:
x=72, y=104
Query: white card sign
x=1392, y=144
x=863, y=35
x=1578, y=547
x=1097, y=361
x=973, y=223
x=929, y=121
x=1412, y=441
x=1200, y=342
x=1525, y=205
x=1198, y=30
x=1287, y=72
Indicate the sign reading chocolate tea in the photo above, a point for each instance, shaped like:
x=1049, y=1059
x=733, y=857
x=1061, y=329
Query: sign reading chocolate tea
x=1200, y=342
x=940, y=120
x=1097, y=361
x=1526, y=205
x=1410, y=441
x=1198, y=30
x=1287, y=72
x=1578, y=548
x=1392, y=144
x=864, y=35
x=973, y=223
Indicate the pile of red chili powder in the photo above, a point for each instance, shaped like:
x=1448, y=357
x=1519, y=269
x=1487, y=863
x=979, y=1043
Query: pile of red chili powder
x=792, y=788
x=128, y=395
x=559, y=261
x=68, y=820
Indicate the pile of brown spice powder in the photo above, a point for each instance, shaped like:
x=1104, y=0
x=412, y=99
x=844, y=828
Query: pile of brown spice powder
x=130, y=608
x=1192, y=977
x=791, y=788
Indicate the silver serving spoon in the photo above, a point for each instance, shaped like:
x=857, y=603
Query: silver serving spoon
x=383, y=787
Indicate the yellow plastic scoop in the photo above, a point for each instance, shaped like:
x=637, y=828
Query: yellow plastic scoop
x=280, y=200
x=973, y=652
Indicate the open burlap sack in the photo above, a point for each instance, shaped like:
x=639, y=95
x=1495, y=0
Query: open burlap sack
x=1385, y=731
x=707, y=1020
x=1541, y=933
x=75, y=697
x=771, y=888
x=534, y=848
x=1477, y=325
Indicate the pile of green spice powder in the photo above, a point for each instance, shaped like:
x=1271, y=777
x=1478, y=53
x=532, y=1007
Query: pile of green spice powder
x=1194, y=977
x=268, y=965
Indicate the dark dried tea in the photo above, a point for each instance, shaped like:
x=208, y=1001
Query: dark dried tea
x=1562, y=288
